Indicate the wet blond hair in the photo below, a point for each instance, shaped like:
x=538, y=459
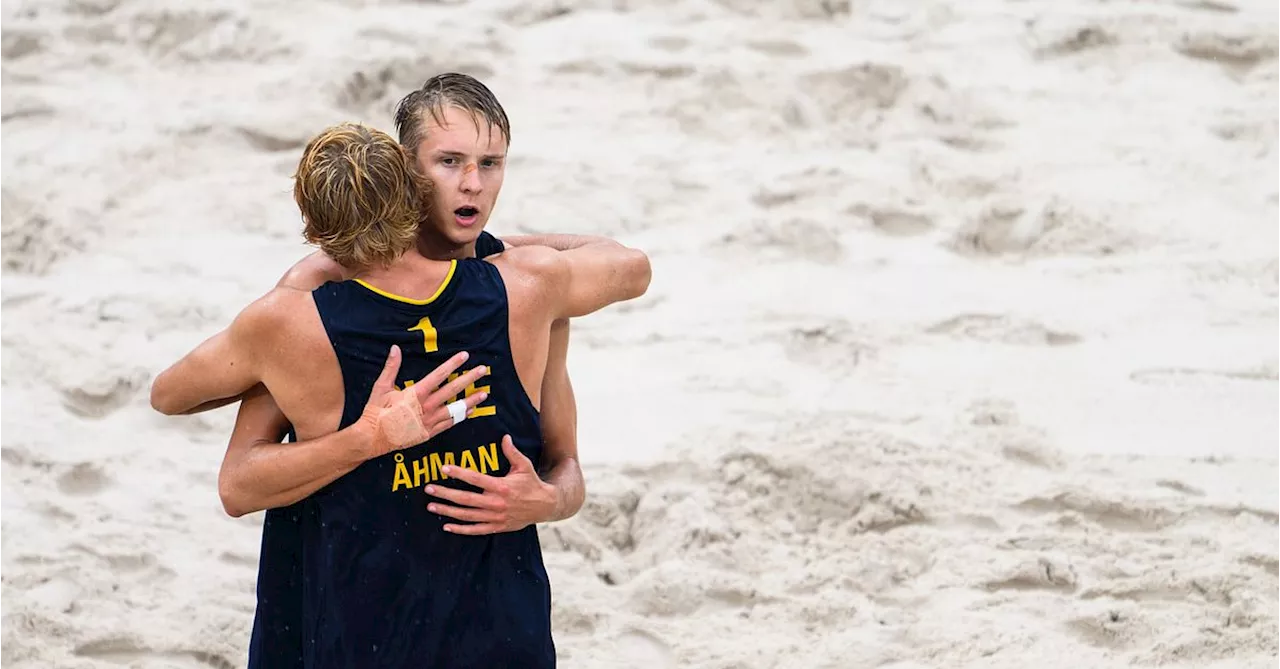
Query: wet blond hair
x=360, y=196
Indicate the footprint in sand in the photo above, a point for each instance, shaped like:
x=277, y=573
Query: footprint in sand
x=1236, y=53
x=673, y=43
x=379, y=80
x=92, y=8
x=1170, y=376
x=789, y=9
x=31, y=240
x=103, y=393
x=1009, y=227
x=789, y=239
x=1179, y=486
x=785, y=48
x=131, y=652
x=643, y=649
x=19, y=43
x=893, y=221
x=1111, y=514
x=1209, y=6
x=239, y=559
x=1002, y=328
x=85, y=478
x=1109, y=630
x=1055, y=40
x=1043, y=573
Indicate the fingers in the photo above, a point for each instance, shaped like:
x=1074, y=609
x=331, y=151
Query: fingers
x=387, y=379
x=437, y=397
x=440, y=420
x=514, y=456
x=471, y=499
x=475, y=478
x=475, y=530
x=465, y=514
x=439, y=374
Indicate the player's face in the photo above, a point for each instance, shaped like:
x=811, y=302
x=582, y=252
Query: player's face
x=465, y=159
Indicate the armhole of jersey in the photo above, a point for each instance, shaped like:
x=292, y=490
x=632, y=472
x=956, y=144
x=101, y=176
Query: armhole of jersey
x=339, y=289
x=496, y=277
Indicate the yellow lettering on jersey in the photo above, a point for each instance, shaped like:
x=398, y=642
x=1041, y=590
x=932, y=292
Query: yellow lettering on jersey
x=483, y=459
x=428, y=334
x=481, y=409
x=402, y=474
x=436, y=464
x=488, y=458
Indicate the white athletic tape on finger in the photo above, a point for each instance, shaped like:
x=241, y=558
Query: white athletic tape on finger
x=457, y=411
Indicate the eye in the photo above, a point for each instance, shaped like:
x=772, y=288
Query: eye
x=488, y=162
x=448, y=161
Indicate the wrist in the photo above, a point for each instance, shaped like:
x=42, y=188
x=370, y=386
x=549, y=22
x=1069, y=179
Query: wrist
x=553, y=503
x=358, y=446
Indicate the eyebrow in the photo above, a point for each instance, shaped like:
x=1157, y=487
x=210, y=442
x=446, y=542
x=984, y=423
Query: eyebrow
x=459, y=154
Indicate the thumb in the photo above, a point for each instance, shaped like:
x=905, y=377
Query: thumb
x=387, y=379
x=514, y=456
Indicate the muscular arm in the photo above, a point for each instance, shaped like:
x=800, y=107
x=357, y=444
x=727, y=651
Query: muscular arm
x=588, y=278
x=182, y=388
x=258, y=472
x=220, y=368
x=559, y=466
x=557, y=242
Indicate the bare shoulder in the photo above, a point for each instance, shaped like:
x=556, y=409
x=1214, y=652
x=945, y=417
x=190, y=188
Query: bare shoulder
x=312, y=272
x=534, y=263
x=532, y=275
x=273, y=313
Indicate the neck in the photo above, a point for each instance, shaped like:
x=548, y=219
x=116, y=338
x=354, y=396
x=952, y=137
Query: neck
x=434, y=247
x=412, y=275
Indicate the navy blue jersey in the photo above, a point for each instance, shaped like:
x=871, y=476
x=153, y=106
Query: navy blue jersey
x=487, y=245
x=276, y=638
x=383, y=584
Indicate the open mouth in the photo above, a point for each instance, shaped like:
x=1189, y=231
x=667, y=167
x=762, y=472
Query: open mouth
x=466, y=212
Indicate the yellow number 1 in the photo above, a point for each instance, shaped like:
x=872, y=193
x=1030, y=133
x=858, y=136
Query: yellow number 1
x=428, y=334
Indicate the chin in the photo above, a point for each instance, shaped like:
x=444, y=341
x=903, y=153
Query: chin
x=462, y=236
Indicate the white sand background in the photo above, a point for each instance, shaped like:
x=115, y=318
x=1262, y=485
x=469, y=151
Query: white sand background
x=961, y=348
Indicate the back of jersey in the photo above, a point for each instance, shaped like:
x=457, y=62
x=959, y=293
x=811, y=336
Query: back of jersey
x=384, y=584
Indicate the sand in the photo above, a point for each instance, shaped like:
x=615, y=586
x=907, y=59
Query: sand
x=960, y=349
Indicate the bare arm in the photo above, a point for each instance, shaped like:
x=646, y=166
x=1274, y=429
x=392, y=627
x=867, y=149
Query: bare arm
x=258, y=472
x=559, y=464
x=172, y=392
x=557, y=242
x=220, y=368
x=585, y=279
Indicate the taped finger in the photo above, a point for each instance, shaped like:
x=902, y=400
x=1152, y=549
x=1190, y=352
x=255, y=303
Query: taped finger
x=457, y=411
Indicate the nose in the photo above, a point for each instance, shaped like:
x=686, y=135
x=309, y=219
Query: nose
x=471, y=179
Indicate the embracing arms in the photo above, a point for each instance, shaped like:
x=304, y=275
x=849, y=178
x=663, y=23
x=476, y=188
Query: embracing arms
x=221, y=368
x=258, y=472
